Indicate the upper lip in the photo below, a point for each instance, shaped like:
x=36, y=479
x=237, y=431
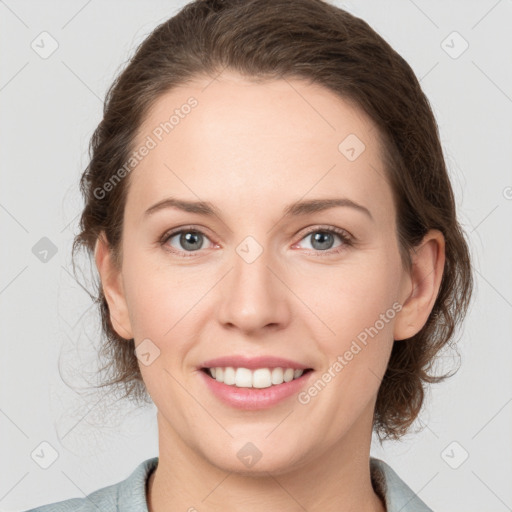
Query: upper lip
x=253, y=362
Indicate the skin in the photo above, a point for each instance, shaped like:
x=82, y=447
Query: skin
x=251, y=149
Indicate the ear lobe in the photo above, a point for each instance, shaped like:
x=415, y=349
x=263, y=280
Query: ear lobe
x=112, y=286
x=421, y=287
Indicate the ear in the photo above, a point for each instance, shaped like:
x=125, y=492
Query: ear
x=420, y=287
x=112, y=285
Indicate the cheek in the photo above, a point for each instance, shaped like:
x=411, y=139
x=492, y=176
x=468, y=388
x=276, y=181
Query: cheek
x=150, y=296
x=163, y=307
x=359, y=306
x=340, y=301
x=166, y=304
x=161, y=304
x=352, y=298
x=360, y=314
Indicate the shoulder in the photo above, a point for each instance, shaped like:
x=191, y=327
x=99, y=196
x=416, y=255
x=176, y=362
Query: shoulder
x=397, y=495
x=128, y=495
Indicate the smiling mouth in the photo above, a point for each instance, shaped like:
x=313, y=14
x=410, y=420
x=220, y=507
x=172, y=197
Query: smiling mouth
x=258, y=378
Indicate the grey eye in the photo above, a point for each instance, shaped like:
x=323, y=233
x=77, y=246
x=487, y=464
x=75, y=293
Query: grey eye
x=188, y=240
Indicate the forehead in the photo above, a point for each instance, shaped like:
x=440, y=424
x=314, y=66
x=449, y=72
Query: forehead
x=230, y=137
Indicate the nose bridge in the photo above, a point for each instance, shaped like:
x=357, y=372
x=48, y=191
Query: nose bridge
x=253, y=297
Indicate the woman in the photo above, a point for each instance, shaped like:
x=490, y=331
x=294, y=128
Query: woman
x=275, y=232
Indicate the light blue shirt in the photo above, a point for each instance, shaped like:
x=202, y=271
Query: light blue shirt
x=129, y=495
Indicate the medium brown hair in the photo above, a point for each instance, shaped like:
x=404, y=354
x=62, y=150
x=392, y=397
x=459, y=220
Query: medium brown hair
x=318, y=42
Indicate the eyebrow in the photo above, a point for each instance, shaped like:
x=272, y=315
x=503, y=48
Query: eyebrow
x=293, y=210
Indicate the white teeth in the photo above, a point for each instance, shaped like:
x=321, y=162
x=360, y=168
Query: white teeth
x=277, y=376
x=229, y=376
x=259, y=378
x=243, y=378
x=288, y=374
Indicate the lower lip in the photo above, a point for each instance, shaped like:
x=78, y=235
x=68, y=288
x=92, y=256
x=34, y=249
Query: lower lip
x=254, y=398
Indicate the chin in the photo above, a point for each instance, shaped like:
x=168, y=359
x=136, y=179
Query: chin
x=255, y=459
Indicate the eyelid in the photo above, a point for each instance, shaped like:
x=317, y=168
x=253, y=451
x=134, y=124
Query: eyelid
x=328, y=228
x=176, y=231
x=346, y=238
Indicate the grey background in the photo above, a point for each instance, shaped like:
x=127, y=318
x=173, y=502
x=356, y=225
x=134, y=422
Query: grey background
x=50, y=106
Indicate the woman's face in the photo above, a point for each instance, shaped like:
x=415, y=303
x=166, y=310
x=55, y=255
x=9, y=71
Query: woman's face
x=260, y=278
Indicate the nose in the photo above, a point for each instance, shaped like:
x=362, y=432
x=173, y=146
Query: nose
x=254, y=295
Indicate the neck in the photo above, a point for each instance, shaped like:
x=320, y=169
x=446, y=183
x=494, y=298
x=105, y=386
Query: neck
x=336, y=480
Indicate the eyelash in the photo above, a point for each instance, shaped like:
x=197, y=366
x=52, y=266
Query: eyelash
x=342, y=234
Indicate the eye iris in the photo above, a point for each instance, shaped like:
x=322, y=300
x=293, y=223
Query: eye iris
x=190, y=237
x=189, y=240
x=320, y=237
